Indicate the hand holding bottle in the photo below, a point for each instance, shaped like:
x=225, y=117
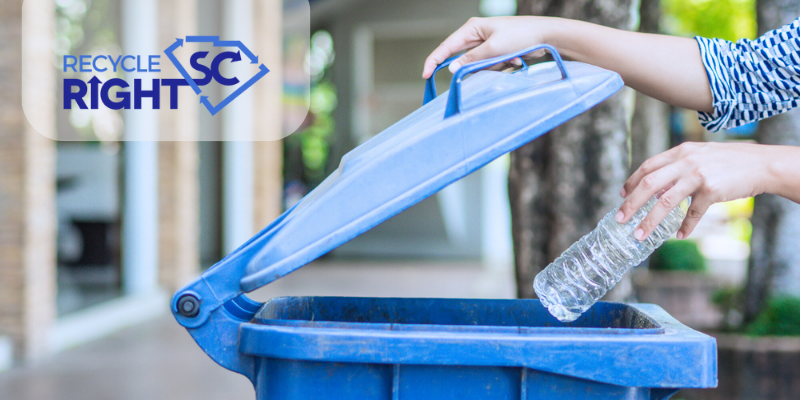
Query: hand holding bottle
x=710, y=173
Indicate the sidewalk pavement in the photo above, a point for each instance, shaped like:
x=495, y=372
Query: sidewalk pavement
x=158, y=360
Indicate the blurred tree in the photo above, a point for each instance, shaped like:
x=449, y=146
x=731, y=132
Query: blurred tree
x=306, y=153
x=650, y=125
x=724, y=19
x=774, y=267
x=561, y=184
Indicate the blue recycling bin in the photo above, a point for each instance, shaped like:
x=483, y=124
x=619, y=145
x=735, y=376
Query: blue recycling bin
x=390, y=348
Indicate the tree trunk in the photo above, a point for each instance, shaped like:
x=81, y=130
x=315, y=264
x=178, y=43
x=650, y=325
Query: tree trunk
x=774, y=267
x=563, y=183
x=650, y=124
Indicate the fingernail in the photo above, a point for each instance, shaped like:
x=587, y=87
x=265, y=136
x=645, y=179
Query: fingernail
x=639, y=234
x=679, y=235
x=620, y=216
x=454, y=66
x=622, y=193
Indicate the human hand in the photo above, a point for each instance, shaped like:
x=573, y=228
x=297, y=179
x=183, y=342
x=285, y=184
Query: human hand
x=489, y=37
x=667, y=68
x=709, y=172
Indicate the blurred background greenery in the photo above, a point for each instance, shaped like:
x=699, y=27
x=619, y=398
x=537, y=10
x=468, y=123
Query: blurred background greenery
x=724, y=19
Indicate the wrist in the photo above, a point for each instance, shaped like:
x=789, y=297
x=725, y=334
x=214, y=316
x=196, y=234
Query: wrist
x=553, y=33
x=547, y=30
x=781, y=166
x=568, y=36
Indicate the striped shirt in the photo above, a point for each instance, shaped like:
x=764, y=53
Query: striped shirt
x=752, y=79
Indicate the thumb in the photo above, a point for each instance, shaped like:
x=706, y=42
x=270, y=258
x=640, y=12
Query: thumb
x=478, y=53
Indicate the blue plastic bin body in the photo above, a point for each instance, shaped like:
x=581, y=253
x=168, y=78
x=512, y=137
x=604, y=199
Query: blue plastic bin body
x=388, y=348
x=373, y=348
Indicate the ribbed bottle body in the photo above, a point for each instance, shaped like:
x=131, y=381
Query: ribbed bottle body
x=595, y=263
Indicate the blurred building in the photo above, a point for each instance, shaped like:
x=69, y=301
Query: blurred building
x=380, y=48
x=96, y=235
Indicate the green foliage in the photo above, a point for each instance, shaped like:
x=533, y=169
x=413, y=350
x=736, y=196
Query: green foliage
x=306, y=152
x=730, y=302
x=728, y=298
x=315, y=138
x=780, y=317
x=678, y=255
x=725, y=19
x=739, y=212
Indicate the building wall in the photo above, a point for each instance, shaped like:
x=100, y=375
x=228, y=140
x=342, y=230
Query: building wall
x=268, y=153
x=27, y=181
x=179, y=162
x=343, y=17
x=27, y=184
x=380, y=49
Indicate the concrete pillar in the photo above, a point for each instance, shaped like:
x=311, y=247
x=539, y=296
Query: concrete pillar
x=140, y=213
x=27, y=177
x=178, y=160
x=268, y=149
x=237, y=131
x=253, y=153
x=497, y=250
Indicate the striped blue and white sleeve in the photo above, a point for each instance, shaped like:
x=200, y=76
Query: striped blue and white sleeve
x=752, y=79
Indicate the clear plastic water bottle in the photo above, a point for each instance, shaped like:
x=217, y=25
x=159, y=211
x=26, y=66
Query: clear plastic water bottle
x=595, y=263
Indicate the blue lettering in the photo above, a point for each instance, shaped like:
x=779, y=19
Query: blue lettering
x=153, y=63
x=139, y=64
x=234, y=57
x=123, y=64
x=194, y=61
x=85, y=63
x=94, y=64
x=138, y=93
x=173, y=90
x=114, y=64
x=70, y=65
x=69, y=95
x=94, y=82
x=76, y=89
x=125, y=97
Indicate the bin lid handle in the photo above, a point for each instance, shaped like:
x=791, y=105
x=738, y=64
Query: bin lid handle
x=454, y=102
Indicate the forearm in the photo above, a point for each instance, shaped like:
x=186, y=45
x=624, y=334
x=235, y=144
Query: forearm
x=783, y=171
x=667, y=68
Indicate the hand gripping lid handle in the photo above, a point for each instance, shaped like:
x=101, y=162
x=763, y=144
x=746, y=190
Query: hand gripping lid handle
x=430, y=83
x=454, y=101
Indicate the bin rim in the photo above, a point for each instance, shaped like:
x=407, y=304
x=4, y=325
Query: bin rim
x=518, y=316
x=677, y=358
x=472, y=329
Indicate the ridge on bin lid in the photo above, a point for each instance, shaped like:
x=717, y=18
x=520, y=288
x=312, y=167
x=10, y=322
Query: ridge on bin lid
x=423, y=153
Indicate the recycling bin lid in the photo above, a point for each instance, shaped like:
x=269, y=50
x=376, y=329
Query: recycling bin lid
x=630, y=350
x=480, y=118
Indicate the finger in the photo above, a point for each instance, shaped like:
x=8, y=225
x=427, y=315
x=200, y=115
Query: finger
x=479, y=53
x=498, y=67
x=696, y=211
x=466, y=36
x=646, y=189
x=650, y=165
x=503, y=66
x=665, y=204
